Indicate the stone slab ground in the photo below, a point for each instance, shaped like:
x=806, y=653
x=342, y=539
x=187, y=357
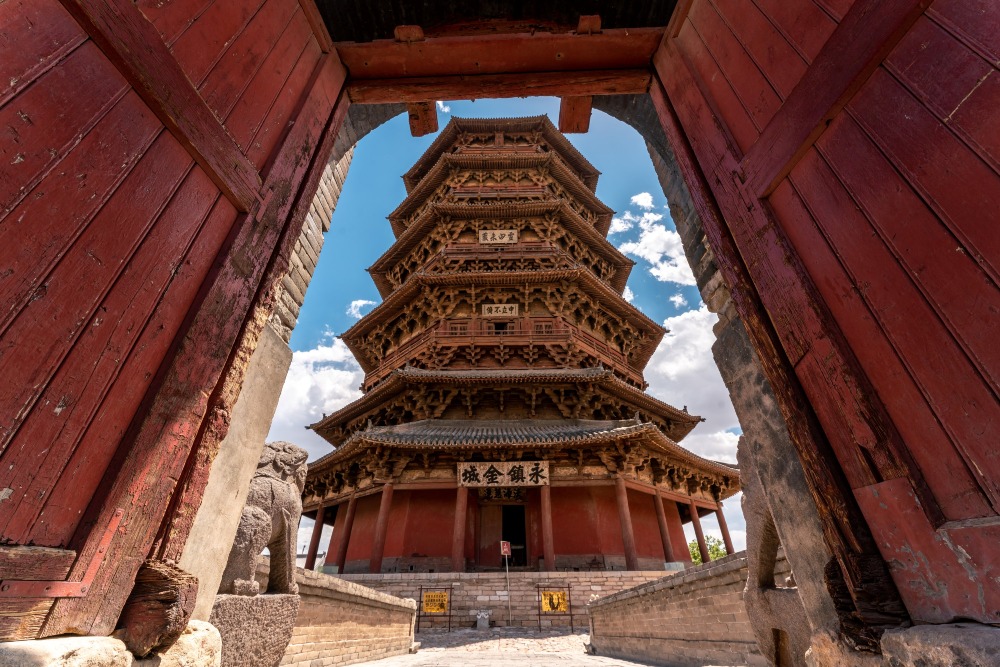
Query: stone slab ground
x=500, y=647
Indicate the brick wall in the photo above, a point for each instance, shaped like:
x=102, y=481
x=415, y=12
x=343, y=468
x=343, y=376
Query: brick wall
x=473, y=591
x=696, y=617
x=341, y=622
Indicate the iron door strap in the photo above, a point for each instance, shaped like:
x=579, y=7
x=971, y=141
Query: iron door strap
x=21, y=588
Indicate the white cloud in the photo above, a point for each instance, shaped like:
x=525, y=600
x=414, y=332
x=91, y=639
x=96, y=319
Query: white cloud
x=354, y=310
x=619, y=225
x=682, y=372
x=442, y=107
x=678, y=300
x=643, y=200
x=320, y=381
x=662, y=248
x=628, y=295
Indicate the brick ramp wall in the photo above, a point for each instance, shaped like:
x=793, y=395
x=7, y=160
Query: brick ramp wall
x=473, y=591
x=341, y=623
x=690, y=619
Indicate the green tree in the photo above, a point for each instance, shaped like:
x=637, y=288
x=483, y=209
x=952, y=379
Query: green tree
x=716, y=549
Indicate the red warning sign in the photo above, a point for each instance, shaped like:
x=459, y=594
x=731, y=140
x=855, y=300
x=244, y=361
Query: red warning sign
x=504, y=548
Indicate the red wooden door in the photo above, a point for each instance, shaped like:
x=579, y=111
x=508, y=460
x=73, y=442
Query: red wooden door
x=148, y=189
x=490, y=530
x=850, y=151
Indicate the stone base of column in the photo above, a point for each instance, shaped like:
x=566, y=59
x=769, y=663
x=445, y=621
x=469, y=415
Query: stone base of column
x=255, y=629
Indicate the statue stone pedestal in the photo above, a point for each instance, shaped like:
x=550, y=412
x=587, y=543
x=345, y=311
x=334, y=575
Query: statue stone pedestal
x=255, y=629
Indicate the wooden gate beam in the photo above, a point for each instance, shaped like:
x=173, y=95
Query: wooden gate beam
x=500, y=54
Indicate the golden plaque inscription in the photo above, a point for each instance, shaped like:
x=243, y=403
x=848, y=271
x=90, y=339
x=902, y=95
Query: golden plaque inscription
x=554, y=602
x=435, y=602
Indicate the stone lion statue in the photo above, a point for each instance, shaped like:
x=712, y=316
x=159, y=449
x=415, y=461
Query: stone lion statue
x=270, y=519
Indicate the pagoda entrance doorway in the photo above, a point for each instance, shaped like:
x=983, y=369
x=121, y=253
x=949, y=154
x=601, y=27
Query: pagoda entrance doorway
x=513, y=531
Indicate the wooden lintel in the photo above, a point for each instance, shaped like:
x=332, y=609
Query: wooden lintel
x=137, y=50
x=408, y=33
x=423, y=118
x=498, y=54
x=589, y=24
x=862, y=40
x=574, y=114
x=495, y=86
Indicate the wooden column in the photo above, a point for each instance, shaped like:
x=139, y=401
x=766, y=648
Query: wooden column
x=548, y=545
x=725, y=530
x=628, y=537
x=345, y=535
x=696, y=522
x=381, y=526
x=458, y=532
x=314, y=539
x=661, y=519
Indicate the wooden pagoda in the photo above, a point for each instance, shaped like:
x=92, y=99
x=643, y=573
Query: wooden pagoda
x=504, y=394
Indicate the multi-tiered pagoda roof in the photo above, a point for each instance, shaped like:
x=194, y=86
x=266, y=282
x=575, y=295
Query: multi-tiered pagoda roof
x=503, y=331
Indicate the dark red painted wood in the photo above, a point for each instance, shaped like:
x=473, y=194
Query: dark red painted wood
x=974, y=22
x=830, y=217
x=102, y=351
x=36, y=234
x=51, y=117
x=43, y=333
x=717, y=92
x=759, y=100
x=770, y=51
x=93, y=453
x=501, y=53
x=203, y=43
x=869, y=31
x=172, y=18
x=803, y=24
x=317, y=24
x=844, y=529
x=574, y=114
x=244, y=57
x=36, y=35
x=134, y=46
x=936, y=163
x=495, y=86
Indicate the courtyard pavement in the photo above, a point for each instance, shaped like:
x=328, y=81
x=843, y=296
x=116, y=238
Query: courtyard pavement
x=521, y=647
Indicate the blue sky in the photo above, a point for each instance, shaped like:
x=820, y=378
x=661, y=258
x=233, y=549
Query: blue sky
x=324, y=376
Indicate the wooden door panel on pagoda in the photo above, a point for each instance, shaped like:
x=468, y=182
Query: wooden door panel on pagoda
x=153, y=164
x=858, y=178
x=490, y=531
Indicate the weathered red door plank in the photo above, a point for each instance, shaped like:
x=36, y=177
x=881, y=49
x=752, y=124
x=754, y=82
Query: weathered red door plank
x=202, y=45
x=135, y=48
x=869, y=31
x=214, y=347
x=828, y=216
x=44, y=332
x=715, y=89
x=955, y=83
x=961, y=294
x=83, y=473
x=87, y=374
x=172, y=18
x=243, y=58
x=310, y=138
x=803, y=24
x=780, y=63
x=36, y=34
x=36, y=234
x=272, y=128
x=317, y=24
x=807, y=336
x=937, y=164
x=759, y=99
x=974, y=21
x=45, y=121
x=268, y=85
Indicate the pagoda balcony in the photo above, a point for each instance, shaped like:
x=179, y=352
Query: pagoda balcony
x=516, y=333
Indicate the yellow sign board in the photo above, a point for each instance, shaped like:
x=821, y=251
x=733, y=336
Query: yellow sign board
x=554, y=602
x=435, y=602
